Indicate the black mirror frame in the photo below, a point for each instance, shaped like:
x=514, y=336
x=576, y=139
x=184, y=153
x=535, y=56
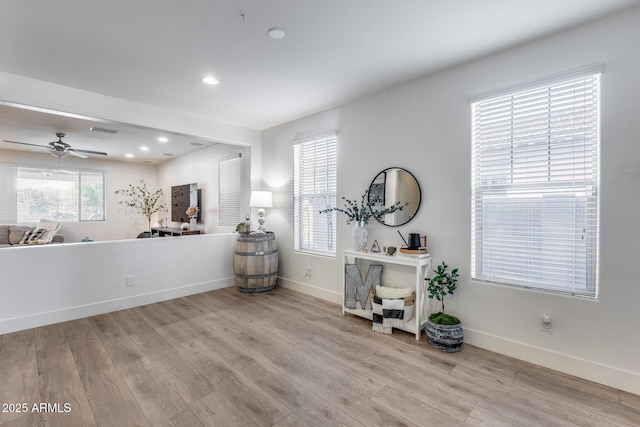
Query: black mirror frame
x=419, y=191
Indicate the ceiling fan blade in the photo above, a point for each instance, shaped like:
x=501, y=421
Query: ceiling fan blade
x=75, y=153
x=97, y=153
x=25, y=143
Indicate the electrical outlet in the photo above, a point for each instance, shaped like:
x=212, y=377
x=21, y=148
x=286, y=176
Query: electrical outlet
x=547, y=322
x=129, y=281
x=308, y=273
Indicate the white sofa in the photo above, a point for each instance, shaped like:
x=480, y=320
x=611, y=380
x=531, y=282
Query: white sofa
x=15, y=234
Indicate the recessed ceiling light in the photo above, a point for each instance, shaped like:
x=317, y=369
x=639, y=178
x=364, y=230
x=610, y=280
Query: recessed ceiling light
x=128, y=155
x=144, y=148
x=210, y=80
x=163, y=139
x=275, y=33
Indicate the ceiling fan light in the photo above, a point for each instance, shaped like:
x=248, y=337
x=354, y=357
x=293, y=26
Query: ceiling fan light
x=59, y=154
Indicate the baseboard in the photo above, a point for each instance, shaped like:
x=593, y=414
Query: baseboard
x=305, y=288
x=602, y=374
x=71, y=313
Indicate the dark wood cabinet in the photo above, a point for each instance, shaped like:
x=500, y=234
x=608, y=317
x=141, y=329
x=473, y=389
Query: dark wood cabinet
x=168, y=231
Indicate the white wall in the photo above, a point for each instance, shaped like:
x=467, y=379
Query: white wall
x=54, y=283
x=424, y=127
x=120, y=222
x=201, y=167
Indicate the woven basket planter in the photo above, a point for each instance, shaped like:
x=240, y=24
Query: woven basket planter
x=447, y=338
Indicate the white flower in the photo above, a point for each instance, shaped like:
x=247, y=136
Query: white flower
x=192, y=211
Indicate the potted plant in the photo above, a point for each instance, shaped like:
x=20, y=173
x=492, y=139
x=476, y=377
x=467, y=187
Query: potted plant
x=361, y=212
x=143, y=201
x=444, y=331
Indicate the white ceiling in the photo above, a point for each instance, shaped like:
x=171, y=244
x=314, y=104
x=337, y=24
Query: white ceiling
x=155, y=51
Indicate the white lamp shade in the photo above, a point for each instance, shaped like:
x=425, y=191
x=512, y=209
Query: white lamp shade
x=261, y=199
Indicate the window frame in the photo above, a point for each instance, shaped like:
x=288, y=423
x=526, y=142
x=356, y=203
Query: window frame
x=11, y=212
x=327, y=142
x=230, y=165
x=585, y=203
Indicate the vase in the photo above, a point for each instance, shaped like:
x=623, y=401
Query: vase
x=193, y=223
x=360, y=233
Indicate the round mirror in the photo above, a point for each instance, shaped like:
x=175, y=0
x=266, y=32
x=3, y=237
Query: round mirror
x=395, y=185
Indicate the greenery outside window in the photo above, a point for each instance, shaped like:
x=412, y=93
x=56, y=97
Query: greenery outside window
x=33, y=193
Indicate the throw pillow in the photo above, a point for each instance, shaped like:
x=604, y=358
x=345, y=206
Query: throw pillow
x=32, y=236
x=50, y=227
x=387, y=292
x=16, y=232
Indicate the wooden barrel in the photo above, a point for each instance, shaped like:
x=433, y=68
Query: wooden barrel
x=256, y=262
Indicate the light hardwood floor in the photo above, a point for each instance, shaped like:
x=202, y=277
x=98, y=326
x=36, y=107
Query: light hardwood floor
x=279, y=359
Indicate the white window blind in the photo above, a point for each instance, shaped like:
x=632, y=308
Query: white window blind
x=29, y=194
x=534, y=186
x=8, y=195
x=315, y=189
x=229, y=191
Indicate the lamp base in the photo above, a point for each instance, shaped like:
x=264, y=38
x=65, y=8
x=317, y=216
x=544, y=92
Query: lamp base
x=261, y=221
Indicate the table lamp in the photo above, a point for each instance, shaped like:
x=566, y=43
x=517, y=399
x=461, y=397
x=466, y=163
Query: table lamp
x=261, y=200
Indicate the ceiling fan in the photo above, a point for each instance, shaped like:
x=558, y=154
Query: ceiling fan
x=61, y=149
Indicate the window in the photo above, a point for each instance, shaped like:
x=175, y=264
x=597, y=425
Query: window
x=229, y=191
x=314, y=189
x=534, y=185
x=29, y=194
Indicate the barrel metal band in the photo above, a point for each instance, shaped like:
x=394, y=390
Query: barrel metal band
x=256, y=276
x=260, y=253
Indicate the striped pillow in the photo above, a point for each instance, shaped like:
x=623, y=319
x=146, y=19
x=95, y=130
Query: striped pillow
x=32, y=236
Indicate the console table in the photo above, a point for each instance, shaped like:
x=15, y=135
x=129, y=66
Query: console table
x=168, y=231
x=421, y=264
